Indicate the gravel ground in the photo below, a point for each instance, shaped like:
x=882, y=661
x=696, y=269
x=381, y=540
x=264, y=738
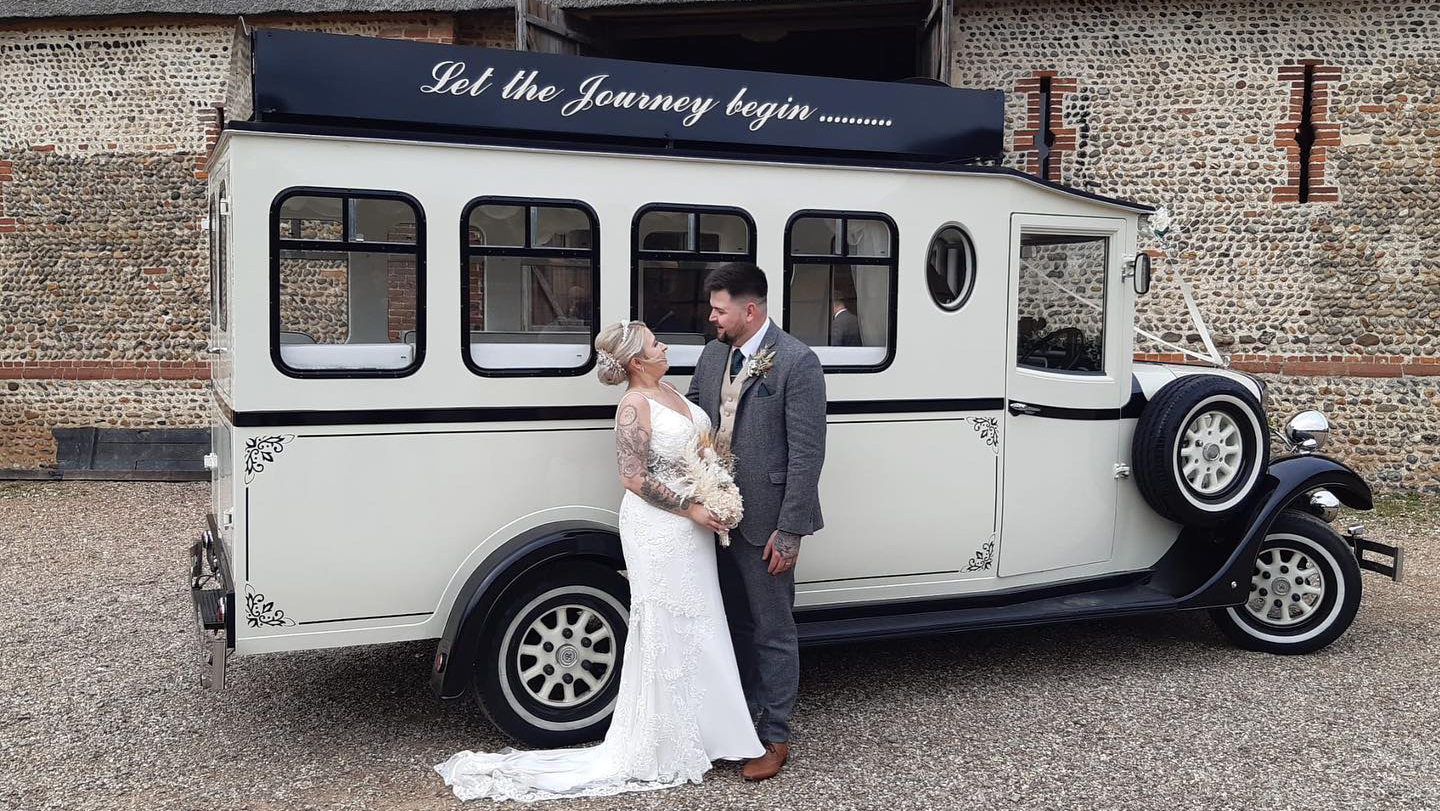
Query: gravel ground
x=100, y=705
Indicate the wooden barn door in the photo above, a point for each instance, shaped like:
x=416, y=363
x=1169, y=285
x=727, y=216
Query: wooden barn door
x=544, y=27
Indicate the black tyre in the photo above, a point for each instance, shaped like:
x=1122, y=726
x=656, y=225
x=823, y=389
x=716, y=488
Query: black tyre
x=1199, y=449
x=549, y=667
x=1304, y=592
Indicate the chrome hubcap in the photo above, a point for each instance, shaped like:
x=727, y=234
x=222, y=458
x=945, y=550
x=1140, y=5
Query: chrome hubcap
x=1286, y=588
x=566, y=656
x=1210, y=452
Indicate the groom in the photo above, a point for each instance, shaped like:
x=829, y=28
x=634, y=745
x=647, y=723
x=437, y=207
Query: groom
x=764, y=390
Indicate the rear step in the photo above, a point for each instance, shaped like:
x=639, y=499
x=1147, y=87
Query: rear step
x=1393, y=570
x=213, y=594
x=210, y=607
x=1133, y=599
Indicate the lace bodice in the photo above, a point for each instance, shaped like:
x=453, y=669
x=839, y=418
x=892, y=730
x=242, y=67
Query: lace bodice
x=670, y=435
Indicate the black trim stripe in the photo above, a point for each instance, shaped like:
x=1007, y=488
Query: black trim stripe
x=875, y=577
x=1131, y=410
x=412, y=416
x=913, y=406
x=247, y=534
x=393, y=416
x=377, y=617
x=566, y=430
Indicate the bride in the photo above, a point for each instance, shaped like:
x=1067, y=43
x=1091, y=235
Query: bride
x=680, y=704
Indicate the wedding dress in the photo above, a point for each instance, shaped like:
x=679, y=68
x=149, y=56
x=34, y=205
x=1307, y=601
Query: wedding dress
x=680, y=704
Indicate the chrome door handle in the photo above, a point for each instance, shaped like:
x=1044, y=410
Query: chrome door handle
x=1021, y=408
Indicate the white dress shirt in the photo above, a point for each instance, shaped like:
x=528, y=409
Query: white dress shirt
x=752, y=346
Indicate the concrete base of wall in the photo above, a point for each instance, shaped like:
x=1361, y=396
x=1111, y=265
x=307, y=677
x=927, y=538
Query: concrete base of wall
x=56, y=474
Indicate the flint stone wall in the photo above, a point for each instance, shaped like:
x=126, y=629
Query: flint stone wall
x=1193, y=106
x=104, y=126
x=104, y=275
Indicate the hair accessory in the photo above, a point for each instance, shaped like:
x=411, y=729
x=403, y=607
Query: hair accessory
x=609, y=361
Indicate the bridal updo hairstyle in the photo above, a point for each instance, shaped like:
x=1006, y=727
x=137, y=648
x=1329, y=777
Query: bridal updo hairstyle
x=615, y=348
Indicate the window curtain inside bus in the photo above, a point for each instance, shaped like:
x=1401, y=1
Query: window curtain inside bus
x=872, y=283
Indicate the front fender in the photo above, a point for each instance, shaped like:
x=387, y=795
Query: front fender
x=1286, y=480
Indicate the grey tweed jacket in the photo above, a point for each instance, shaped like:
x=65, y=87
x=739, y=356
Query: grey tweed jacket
x=779, y=438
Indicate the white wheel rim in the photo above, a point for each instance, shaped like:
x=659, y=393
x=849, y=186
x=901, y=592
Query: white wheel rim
x=1212, y=452
x=566, y=656
x=1287, y=587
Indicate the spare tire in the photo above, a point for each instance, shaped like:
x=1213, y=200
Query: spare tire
x=1200, y=447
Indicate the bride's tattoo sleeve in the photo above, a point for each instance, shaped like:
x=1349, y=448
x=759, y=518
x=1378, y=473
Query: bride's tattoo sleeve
x=632, y=450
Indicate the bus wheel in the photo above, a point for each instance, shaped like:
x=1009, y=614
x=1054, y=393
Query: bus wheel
x=549, y=668
x=1304, y=591
x=1199, y=450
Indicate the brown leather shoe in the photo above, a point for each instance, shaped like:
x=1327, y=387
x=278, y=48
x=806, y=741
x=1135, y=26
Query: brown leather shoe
x=767, y=765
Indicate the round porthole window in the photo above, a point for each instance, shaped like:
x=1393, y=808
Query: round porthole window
x=950, y=268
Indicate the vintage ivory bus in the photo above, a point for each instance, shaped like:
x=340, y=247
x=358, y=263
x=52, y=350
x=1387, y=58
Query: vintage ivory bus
x=411, y=260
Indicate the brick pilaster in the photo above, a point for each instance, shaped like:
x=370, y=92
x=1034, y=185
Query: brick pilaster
x=211, y=119
x=1327, y=134
x=1039, y=121
x=7, y=224
x=400, y=286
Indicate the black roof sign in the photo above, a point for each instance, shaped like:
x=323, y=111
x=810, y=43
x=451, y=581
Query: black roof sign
x=301, y=76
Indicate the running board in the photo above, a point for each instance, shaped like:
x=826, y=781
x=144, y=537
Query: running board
x=1112, y=602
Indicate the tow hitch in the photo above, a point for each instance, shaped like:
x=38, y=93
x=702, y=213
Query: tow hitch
x=1355, y=535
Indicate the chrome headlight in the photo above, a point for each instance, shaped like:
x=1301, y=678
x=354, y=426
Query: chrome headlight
x=1308, y=431
x=1324, y=504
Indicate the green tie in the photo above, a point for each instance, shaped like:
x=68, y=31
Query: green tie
x=737, y=359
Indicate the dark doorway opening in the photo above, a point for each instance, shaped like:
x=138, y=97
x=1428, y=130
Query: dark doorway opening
x=881, y=55
x=877, y=40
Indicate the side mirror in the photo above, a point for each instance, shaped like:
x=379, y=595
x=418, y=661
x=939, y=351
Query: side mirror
x=1141, y=273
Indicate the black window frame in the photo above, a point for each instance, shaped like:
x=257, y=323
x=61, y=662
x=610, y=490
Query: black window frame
x=1109, y=238
x=222, y=261
x=214, y=235
x=346, y=245
x=638, y=255
x=959, y=303
x=892, y=261
x=467, y=251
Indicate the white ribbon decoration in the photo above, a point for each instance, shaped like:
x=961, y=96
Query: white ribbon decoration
x=1214, y=356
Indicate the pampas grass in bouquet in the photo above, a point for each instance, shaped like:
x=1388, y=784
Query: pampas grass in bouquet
x=710, y=480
